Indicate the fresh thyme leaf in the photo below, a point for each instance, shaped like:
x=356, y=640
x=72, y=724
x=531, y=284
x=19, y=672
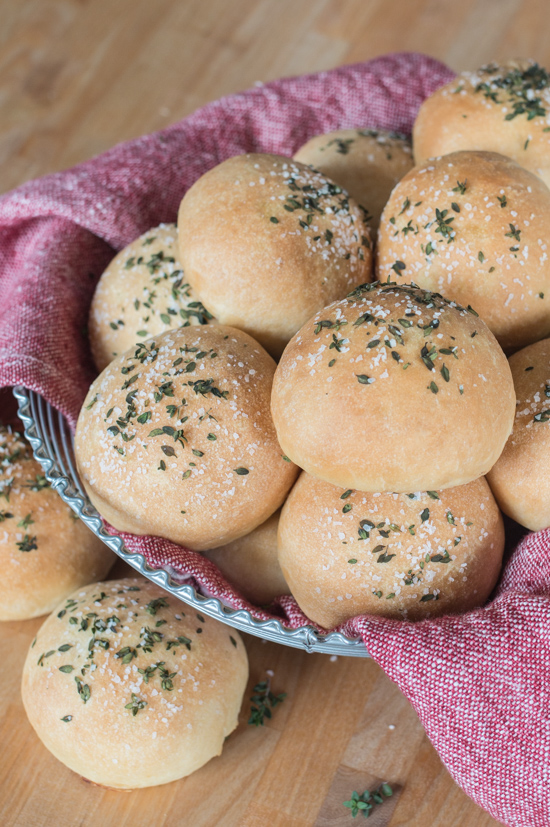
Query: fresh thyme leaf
x=366, y=802
x=28, y=543
x=263, y=702
x=135, y=705
x=154, y=605
x=83, y=690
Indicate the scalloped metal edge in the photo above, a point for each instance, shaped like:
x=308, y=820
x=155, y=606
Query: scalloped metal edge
x=305, y=637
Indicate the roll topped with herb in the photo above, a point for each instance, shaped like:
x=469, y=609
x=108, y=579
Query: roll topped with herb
x=394, y=389
x=504, y=108
x=131, y=688
x=474, y=227
x=368, y=163
x=520, y=480
x=266, y=241
x=175, y=438
x=45, y=550
x=345, y=553
x=142, y=293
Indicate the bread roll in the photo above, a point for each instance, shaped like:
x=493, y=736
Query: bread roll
x=502, y=108
x=45, y=550
x=142, y=293
x=130, y=688
x=345, y=553
x=393, y=389
x=251, y=563
x=520, y=479
x=367, y=163
x=176, y=439
x=473, y=226
x=266, y=241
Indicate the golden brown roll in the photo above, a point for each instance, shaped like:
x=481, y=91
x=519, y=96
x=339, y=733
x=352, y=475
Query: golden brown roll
x=345, y=553
x=45, y=550
x=520, y=479
x=142, y=293
x=501, y=108
x=266, y=241
x=175, y=438
x=367, y=163
x=129, y=687
x=473, y=226
x=251, y=563
x=393, y=389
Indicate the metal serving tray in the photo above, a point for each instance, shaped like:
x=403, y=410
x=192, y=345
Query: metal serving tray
x=52, y=443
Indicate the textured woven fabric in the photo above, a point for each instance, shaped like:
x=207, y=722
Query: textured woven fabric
x=477, y=681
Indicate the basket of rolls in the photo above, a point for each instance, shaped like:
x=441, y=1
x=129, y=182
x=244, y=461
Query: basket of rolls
x=293, y=367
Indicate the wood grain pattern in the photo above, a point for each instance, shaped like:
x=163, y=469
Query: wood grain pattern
x=76, y=77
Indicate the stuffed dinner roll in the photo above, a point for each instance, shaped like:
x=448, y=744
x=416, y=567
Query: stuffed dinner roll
x=175, y=438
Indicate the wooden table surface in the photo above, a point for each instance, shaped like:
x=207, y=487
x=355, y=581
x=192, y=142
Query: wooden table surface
x=76, y=77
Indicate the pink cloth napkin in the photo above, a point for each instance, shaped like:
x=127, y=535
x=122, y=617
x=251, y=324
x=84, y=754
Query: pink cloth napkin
x=479, y=681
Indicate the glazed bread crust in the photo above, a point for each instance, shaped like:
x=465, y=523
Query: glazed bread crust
x=175, y=438
x=346, y=553
x=368, y=163
x=393, y=389
x=474, y=227
x=266, y=241
x=500, y=108
x=520, y=480
x=130, y=688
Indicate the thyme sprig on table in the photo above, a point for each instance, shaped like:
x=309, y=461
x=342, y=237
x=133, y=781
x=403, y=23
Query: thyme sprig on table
x=366, y=802
x=263, y=702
